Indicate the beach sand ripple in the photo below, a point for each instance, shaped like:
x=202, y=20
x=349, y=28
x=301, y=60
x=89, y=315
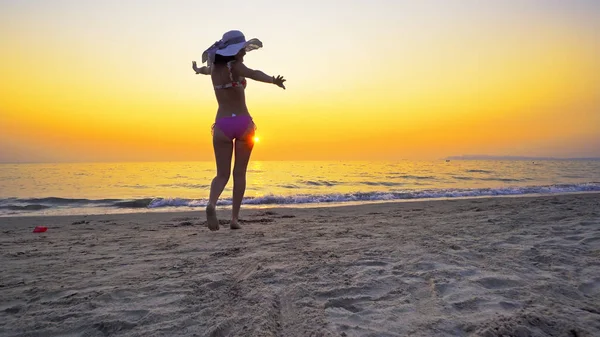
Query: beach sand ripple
x=527, y=266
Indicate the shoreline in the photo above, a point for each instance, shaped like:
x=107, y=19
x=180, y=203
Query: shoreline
x=525, y=265
x=189, y=209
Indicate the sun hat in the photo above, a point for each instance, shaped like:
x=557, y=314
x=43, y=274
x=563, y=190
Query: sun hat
x=232, y=42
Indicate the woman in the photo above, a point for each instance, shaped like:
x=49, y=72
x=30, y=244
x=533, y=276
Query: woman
x=233, y=128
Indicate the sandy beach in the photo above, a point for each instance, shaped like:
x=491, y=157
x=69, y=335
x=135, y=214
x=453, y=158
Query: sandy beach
x=523, y=266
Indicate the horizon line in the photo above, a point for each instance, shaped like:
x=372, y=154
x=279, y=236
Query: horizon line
x=459, y=157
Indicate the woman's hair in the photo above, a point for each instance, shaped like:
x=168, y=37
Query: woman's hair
x=220, y=59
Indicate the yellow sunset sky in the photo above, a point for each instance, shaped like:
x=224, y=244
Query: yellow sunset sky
x=367, y=80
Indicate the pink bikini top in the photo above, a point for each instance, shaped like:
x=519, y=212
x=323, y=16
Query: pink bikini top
x=232, y=84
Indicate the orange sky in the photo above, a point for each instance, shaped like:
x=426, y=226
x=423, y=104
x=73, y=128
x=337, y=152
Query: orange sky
x=107, y=81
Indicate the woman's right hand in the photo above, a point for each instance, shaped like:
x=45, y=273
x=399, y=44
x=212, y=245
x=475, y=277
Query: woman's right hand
x=204, y=70
x=195, y=67
x=278, y=81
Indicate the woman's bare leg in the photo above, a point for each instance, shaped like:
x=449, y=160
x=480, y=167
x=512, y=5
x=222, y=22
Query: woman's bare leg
x=223, y=148
x=243, y=149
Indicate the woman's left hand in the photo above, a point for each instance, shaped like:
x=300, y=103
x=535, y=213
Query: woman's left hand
x=278, y=81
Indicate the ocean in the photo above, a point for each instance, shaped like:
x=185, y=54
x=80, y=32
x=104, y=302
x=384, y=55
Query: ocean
x=100, y=188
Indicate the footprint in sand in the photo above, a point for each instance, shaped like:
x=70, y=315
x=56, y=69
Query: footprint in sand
x=183, y=219
x=344, y=303
x=221, y=330
x=227, y=252
x=426, y=266
x=592, y=241
x=262, y=220
x=134, y=315
x=116, y=295
x=112, y=327
x=498, y=283
x=591, y=288
x=186, y=223
x=12, y=307
x=53, y=296
x=527, y=324
x=471, y=304
x=371, y=263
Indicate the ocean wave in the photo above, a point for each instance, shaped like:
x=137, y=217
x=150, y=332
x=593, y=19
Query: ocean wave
x=410, y=176
x=32, y=207
x=139, y=203
x=37, y=204
x=506, y=180
x=185, y=185
x=138, y=186
x=176, y=202
x=462, y=178
x=381, y=183
x=55, y=201
x=384, y=196
x=478, y=171
x=320, y=183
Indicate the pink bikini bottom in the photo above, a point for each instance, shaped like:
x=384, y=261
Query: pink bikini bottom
x=234, y=127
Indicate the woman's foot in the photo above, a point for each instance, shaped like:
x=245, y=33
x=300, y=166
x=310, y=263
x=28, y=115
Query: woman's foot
x=234, y=224
x=211, y=218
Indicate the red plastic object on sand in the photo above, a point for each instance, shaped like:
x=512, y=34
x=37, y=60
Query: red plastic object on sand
x=40, y=229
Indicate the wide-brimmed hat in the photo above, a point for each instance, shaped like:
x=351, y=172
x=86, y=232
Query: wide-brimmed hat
x=232, y=42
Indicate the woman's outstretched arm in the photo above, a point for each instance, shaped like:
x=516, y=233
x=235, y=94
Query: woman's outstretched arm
x=258, y=75
x=204, y=70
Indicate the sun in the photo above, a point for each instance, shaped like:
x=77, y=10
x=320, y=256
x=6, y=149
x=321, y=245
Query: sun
x=256, y=139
